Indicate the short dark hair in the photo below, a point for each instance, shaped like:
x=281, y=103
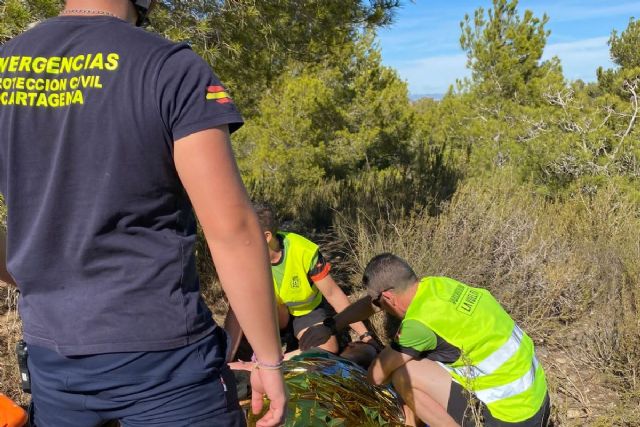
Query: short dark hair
x=266, y=217
x=386, y=271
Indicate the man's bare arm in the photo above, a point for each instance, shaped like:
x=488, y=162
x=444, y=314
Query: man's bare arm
x=338, y=300
x=356, y=312
x=209, y=173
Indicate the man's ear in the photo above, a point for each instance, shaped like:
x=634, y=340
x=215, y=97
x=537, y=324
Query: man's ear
x=392, y=300
x=389, y=297
x=268, y=235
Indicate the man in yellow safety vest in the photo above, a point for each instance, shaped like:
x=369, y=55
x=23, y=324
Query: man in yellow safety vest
x=303, y=284
x=454, y=341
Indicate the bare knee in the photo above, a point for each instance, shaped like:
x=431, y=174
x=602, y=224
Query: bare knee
x=422, y=377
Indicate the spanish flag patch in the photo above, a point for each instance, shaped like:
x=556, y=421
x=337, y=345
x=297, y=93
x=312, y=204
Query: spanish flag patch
x=218, y=94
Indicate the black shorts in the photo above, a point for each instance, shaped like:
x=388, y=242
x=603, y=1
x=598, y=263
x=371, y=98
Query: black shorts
x=461, y=410
x=316, y=316
x=187, y=386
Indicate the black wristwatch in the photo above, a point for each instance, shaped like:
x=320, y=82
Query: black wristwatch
x=365, y=335
x=330, y=323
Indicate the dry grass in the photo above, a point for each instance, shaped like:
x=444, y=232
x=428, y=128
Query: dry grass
x=10, y=333
x=567, y=271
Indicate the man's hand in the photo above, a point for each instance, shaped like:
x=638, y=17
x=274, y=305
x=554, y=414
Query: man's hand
x=315, y=336
x=241, y=365
x=271, y=383
x=370, y=341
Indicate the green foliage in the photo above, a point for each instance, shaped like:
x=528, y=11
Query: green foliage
x=517, y=112
x=323, y=126
x=504, y=52
x=16, y=15
x=250, y=43
x=624, y=47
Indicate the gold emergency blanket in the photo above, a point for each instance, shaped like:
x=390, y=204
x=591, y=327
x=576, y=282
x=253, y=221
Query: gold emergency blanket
x=331, y=392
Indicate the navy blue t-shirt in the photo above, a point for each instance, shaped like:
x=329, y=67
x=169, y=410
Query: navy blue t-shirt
x=100, y=230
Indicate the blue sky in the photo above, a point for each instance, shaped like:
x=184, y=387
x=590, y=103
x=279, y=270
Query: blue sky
x=423, y=43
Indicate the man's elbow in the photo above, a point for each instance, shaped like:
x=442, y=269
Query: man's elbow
x=236, y=225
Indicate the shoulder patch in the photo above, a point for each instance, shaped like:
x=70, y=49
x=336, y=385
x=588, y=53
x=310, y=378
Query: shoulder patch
x=218, y=94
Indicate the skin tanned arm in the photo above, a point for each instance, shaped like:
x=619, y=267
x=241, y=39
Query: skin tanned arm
x=357, y=312
x=208, y=171
x=338, y=300
x=4, y=274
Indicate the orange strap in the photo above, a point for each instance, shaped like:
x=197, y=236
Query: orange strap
x=11, y=415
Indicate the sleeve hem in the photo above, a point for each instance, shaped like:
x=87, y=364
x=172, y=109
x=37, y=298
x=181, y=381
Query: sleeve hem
x=234, y=120
x=412, y=352
x=322, y=273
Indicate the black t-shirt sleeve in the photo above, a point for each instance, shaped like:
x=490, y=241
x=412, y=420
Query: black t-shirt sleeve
x=190, y=96
x=319, y=268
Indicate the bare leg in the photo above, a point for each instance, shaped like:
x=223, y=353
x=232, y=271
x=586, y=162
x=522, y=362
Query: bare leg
x=283, y=316
x=425, y=386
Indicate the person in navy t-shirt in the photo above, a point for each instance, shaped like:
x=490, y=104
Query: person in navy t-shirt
x=109, y=135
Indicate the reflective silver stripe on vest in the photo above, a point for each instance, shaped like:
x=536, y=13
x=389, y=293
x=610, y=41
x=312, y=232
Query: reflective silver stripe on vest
x=518, y=386
x=307, y=301
x=495, y=359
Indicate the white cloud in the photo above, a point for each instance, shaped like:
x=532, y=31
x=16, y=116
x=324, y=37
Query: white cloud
x=433, y=74
x=581, y=58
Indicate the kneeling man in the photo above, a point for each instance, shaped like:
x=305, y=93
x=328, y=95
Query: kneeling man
x=454, y=341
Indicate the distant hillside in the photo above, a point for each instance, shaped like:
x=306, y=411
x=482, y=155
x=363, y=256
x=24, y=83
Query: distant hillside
x=416, y=96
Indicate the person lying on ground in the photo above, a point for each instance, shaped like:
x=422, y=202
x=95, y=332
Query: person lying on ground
x=454, y=341
x=302, y=282
x=358, y=352
x=325, y=388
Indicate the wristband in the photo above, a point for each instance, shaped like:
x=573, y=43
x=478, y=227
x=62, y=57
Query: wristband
x=330, y=322
x=259, y=365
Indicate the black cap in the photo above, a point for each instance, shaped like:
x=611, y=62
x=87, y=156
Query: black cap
x=142, y=7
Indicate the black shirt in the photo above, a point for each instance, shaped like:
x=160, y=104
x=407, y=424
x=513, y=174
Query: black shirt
x=100, y=231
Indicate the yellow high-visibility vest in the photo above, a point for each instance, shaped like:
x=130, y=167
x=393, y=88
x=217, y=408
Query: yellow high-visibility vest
x=497, y=361
x=295, y=291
